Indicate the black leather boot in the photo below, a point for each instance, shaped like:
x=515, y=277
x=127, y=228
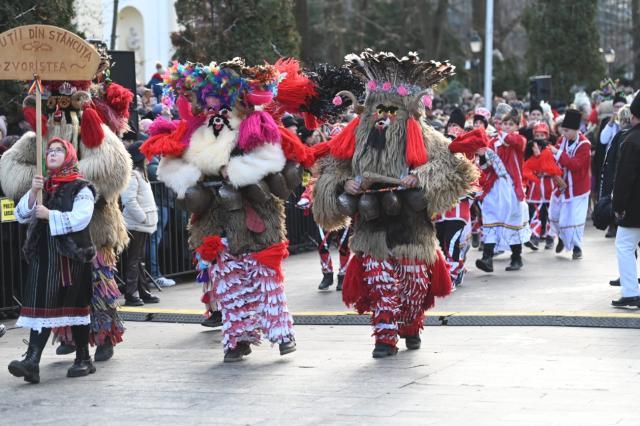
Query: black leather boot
x=516, y=258
x=65, y=349
x=82, y=366
x=515, y=264
x=413, y=342
x=548, y=245
x=382, y=350
x=287, y=348
x=236, y=354
x=327, y=281
x=104, y=352
x=340, y=280
x=214, y=320
x=29, y=367
x=486, y=263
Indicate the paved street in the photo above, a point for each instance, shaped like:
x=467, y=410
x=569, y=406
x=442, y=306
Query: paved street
x=173, y=373
x=548, y=282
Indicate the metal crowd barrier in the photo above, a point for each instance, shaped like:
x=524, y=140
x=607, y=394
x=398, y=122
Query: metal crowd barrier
x=173, y=255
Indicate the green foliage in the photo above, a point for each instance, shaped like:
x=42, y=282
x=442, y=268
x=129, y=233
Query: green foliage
x=398, y=26
x=564, y=42
x=218, y=30
x=25, y=12
x=507, y=77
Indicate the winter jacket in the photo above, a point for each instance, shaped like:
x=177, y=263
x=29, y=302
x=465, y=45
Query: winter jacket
x=626, y=190
x=140, y=210
x=608, y=171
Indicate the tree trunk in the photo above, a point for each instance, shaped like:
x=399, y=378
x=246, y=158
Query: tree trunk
x=439, y=27
x=301, y=12
x=114, y=24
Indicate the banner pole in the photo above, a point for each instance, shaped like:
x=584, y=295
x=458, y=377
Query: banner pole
x=39, y=156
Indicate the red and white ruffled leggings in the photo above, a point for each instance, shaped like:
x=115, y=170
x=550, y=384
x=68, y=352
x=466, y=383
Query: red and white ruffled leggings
x=398, y=296
x=252, y=301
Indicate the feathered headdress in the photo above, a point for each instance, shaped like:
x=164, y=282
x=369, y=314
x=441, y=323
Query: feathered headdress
x=209, y=86
x=408, y=76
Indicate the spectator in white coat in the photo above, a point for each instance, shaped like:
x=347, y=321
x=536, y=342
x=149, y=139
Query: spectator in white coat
x=141, y=217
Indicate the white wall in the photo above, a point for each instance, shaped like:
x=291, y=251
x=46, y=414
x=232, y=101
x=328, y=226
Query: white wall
x=95, y=17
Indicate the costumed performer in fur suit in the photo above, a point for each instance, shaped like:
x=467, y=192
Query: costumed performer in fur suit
x=392, y=173
x=233, y=167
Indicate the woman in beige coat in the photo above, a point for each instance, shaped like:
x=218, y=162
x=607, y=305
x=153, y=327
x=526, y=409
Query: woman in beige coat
x=141, y=217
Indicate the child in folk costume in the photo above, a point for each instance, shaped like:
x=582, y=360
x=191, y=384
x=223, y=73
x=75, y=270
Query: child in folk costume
x=568, y=208
x=59, y=250
x=540, y=172
x=397, y=269
x=504, y=210
x=90, y=115
x=481, y=119
x=454, y=226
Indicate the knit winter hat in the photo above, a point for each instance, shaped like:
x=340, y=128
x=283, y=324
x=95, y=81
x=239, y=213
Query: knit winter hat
x=456, y=117
x=501, y=111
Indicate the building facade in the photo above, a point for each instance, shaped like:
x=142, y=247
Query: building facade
x=143, y=26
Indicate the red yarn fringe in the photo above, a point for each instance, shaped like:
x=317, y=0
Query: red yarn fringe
x=343, y=145
x=91, y=128
x=119, y=98
x=272, y=257
x=296, y=88
x=210, y=248
x=166, y=144
x=311, y=122
x=29, y=114
x=353, y=287
x=416, y=152
x=294, y=149
x=440, y=277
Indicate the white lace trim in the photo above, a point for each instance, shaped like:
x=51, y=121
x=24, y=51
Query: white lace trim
x=40, y=323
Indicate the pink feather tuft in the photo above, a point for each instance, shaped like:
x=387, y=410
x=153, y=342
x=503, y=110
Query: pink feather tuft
x=426, y=101
x=162, y=125
x=258, y=128
x=337, y=101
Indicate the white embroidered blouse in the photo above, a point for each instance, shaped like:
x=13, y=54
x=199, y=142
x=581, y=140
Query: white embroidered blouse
x=61, y=223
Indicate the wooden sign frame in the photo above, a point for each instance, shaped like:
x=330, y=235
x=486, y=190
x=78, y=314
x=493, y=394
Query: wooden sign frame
x=44, y=52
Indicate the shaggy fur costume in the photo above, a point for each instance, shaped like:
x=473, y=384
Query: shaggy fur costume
x=398, y=269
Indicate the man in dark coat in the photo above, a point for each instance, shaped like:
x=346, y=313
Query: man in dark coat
x=626, y=205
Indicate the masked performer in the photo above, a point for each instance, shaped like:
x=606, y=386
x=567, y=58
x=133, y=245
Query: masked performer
x=391, y=173
x=232, y=166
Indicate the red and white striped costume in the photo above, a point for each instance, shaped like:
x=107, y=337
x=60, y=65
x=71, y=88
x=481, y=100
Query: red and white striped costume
x=505, y=215
x=568, y=209
x=538, y=173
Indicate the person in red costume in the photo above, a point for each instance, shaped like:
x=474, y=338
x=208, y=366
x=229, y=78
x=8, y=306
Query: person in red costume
x=504, y=210
x=568, y=209
x=540, y=172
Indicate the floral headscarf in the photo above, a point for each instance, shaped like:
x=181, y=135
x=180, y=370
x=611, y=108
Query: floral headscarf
x=67, y=172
